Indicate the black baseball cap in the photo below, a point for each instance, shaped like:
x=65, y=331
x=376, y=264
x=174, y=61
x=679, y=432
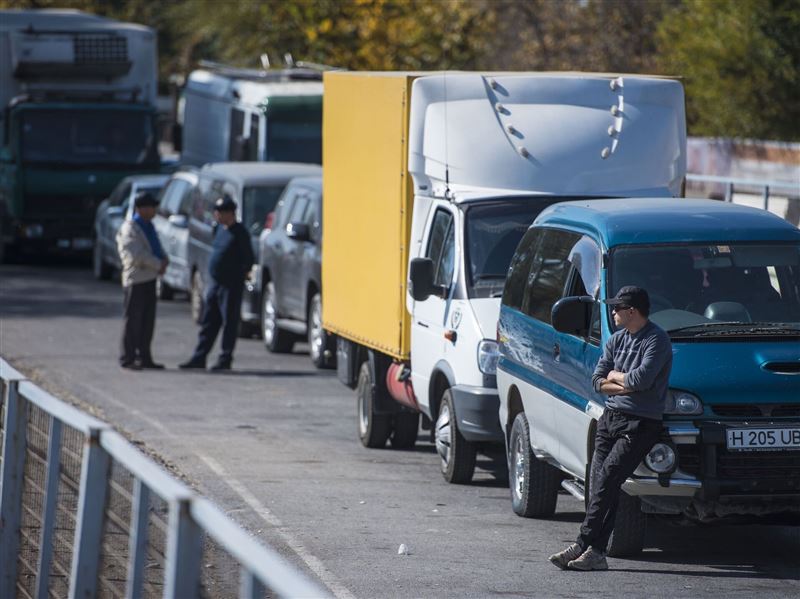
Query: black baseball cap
x=632, y=296
x=225, y=204
x=143, y=199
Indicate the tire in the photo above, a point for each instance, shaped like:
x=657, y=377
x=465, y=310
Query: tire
x=163, y=290
x=276, y=340
x=405, y=430
x=101, y=269
x=321, y=347
x=196, y=297
x=630, y=528
x=247, y=330
x=457, y=455
x=534, y=484
x=373, y=429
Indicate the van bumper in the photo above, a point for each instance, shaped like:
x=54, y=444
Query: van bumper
x=477, y=413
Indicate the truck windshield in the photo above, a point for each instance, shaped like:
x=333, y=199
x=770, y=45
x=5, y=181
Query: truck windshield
x=88, y=137
x=715, y=290
x=294, y=129
x=492, y=232
x=258, y=202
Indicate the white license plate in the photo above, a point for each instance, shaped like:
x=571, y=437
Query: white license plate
x=762, y=439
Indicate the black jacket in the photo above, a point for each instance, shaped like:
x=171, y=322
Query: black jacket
x=231, y=256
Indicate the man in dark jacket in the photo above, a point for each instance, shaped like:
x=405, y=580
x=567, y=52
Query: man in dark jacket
x=230, y=261
x=634, y=373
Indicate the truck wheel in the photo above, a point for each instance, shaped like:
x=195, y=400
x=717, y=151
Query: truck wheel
x=406, y=427
x=629, y=528
x=320, y=343
x=373, y=429
x=163, y=290
x=534, y=483
x=100, y=268
x=276, y=340
x=456, y=453
x=196, y=297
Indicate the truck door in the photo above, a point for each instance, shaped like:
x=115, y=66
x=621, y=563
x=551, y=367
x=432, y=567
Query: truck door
x=428, y=317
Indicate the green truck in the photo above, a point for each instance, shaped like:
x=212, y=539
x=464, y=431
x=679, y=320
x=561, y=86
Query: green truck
x=77, y=114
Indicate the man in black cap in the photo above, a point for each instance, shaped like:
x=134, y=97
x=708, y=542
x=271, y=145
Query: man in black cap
x=230, y=261
x=634, y=373
x=143, y=260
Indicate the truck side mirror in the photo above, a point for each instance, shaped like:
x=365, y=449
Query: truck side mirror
x=573, y=315
x=420, y=278
x=298, y=231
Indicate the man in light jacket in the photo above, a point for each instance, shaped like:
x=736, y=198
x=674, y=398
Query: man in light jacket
x=143, y=259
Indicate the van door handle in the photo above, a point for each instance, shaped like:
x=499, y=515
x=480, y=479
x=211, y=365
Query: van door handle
x=423, y=325
x=556, y=351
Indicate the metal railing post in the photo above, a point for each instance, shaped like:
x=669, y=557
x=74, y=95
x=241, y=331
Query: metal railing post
x=137, y=547
x=250, y=587
x=184, y=552
x=729, y=192
x=49, y=512
x=766, y=197
x=89, y=524
x=14, y=439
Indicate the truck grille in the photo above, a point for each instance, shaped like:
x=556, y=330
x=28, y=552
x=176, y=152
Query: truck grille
x=94, y=49
x=767, y=410
x=689, y=459
x=743, y=465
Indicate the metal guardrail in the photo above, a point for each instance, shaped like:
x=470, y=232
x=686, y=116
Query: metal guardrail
x=766, y=188
x=83, y=513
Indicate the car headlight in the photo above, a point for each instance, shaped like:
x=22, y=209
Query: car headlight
x=488, y=355
x=682, y=403
x=661, y=458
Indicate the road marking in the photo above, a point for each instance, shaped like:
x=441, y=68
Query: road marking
x=314, y=564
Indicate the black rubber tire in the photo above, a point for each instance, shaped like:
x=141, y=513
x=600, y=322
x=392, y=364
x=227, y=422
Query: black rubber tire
x=535, y=494
x=405, y=429
x=456, y=455
x=196, y=297
x=247, y=330
x=322, y=346
x=101, y=269
x=630, y=528
x=276, y=340
x=373, y=429
x=164, y=291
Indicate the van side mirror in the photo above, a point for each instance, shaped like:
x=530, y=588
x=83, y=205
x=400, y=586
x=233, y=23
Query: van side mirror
x=420, y=279
x=298, y=231
x=181, y=221
x=573, y=315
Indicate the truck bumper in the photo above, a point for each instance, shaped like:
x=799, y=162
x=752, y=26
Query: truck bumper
x=476, y=413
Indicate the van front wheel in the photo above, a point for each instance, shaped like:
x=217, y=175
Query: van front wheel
x=534, y=483
x=630, y=527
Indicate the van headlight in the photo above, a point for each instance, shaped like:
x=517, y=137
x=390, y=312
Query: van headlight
x=661, y=459
x=488, y=355
x=681, y=403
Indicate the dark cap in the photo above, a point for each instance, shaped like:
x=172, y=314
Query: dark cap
x=225, y=204
x=143, y=199
x=632, y=296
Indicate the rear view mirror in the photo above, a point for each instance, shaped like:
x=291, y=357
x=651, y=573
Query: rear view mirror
x=180, y=221
x=298, y=231
x=573, y=315
x=420, y=278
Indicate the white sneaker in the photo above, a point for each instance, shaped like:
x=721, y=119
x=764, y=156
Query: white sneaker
x=590, y=560
x=562, y=558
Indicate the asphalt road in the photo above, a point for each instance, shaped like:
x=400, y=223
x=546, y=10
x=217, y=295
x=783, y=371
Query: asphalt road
x=274, y=444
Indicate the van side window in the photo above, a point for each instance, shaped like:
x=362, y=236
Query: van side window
x=172, y=197
x=549, y=272
x=441, y=247
x=519, y=269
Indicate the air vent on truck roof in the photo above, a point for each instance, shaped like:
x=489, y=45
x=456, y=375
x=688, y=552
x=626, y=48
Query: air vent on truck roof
x=273, y=75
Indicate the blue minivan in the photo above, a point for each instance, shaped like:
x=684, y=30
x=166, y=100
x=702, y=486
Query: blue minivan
x=724, y=281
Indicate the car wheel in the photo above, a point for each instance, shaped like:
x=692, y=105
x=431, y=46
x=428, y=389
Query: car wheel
x=196, y=296
x=373, y=429
x=320, y=343
x=534, y=483
x=163, y=290
x=456, y=453
x=101, y=269
x=630, y=527
x=405, y=430
x=276, y=340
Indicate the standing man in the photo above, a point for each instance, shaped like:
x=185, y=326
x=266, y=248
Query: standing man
x=143, y=260
x=634, y=373
x=228, y=266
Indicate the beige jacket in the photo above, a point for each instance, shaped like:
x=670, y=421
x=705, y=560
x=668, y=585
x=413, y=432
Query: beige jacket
x=139, y=263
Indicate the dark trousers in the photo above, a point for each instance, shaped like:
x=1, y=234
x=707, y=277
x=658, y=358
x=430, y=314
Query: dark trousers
x=221, y=309
x=621, y=443
x=139, y=322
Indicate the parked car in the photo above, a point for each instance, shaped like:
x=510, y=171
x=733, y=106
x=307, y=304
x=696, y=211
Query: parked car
x=172, y=224
x=724, y=282
x=256, y=188
x=290, y=274
x=109, y=217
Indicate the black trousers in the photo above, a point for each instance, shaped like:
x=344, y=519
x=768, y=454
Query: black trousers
x=621, y=443
x=221, y=310
x=139, y=320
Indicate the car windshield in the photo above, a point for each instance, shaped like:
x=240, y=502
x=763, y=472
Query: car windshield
x=714, y=290
x=88, y=137
x=258, y=202
x=493, y=231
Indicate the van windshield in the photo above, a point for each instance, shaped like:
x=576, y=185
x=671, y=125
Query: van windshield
x=492, y=232
x=715, y=290
x=258, y=202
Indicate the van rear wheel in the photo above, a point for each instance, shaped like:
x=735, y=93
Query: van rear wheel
x=456, y=453
x=373, y=429
x=534, y=483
